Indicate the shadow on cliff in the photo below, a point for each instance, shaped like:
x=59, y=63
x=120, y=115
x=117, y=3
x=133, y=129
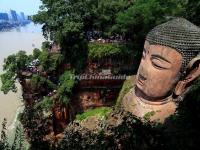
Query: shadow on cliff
x=184, y=127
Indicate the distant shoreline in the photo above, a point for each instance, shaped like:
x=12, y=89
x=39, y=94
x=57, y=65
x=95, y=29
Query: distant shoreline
x=7, y=26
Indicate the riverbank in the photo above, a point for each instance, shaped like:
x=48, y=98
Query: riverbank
x=8, y=106
x=26, y=38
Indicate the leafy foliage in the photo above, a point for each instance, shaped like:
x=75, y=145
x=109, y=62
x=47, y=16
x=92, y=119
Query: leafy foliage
x=68, y=22
x=50, y=62
x=99, y=112
x=45, y=45
x=121, y=131
x=54, y=61
x=106, y=50
x=36, y=127
x=148, y=115
x=186, y=135
x=38, y=81
x=19, y=140
x=8, y=82
x=67, y=82
x=13, y=64
x=36, y=53
x=46, y=104
x=142, y=16
x=65, y=18
x=4, y=140
x=16, y=62
x=192, y=11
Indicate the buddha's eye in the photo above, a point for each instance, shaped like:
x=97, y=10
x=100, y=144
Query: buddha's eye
x=158, y=64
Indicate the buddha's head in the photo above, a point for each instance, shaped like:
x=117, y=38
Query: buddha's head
x=170, y=61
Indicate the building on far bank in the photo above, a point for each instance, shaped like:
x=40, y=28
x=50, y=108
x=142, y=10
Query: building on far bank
x=14, y=15
x=12, y=19
x=4, y=17
x=22, y=16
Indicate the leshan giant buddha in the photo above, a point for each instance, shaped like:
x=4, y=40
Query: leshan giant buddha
x=169, y=65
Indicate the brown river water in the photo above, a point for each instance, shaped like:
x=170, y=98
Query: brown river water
x=24, y=38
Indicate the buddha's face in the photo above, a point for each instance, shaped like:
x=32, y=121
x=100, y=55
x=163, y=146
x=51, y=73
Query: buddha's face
x=158, y=71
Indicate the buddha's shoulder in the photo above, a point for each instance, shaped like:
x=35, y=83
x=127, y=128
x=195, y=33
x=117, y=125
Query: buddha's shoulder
x=127, y=99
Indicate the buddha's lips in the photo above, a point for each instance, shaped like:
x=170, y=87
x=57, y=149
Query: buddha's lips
x=140, y=82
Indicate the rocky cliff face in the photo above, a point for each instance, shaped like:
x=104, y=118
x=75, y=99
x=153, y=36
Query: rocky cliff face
x=54, y=121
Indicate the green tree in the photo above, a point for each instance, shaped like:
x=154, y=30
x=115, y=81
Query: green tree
x=192, y=11
x=36, y=126
x=50, y=62
x=142, y=16
x=122, y=130
x=46, y=104
x=45, y=45
x=13, y=65
x=67, y=82
x=36, y=53
x=19, y=140
x=67, y=23
x=44, y=59
x=4, y=140
x=38, y=82
x=187, y=133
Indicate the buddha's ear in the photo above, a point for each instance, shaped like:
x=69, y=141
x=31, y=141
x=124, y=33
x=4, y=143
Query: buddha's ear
x=193, y=72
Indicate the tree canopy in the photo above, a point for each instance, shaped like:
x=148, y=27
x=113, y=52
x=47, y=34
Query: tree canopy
x=13, y=64
x=68, y=22
x=67, y=82
x=96, y=51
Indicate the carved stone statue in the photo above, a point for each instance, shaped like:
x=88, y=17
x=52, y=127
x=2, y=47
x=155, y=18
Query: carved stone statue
x=169, y=65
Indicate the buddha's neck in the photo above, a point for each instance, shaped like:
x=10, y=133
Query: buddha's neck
x=160, y=101
x=157, y=102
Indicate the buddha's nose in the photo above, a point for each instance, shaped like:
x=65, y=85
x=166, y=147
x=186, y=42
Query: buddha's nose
x=142, y=73
x=141, y=77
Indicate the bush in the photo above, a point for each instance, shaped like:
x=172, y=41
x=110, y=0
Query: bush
x=97, y=50
x=67, y=83
x=46, y=104
x=100, y=112
x=121, y=130
x=37, y=82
